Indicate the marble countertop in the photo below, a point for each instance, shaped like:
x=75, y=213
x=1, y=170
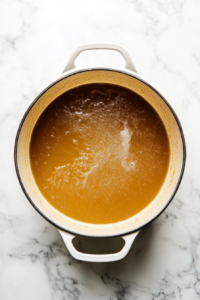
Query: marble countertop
x=36, y=40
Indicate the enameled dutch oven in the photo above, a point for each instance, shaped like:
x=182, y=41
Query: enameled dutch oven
x=128, y=229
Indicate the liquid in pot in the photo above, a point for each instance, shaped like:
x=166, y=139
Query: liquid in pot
x=99, y=153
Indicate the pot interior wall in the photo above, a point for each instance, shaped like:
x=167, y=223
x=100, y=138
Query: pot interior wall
x=176, y=154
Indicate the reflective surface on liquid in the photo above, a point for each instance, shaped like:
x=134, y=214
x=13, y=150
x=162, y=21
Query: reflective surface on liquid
x=99, y=153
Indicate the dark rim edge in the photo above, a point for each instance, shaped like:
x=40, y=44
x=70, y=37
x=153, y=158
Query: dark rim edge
x=33, y=103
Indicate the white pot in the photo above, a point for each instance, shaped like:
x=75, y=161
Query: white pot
x=129, y=228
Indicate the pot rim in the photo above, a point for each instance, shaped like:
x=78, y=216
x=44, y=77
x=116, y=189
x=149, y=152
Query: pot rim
x=69, y=74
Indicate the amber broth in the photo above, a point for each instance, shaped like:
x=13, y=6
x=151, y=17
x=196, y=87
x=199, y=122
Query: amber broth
x=99, y=153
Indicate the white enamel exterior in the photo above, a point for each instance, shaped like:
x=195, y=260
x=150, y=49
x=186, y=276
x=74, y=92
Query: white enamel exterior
x=68, y=227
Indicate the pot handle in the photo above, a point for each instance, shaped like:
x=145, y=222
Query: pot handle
x=67, y=238
x=129, y=64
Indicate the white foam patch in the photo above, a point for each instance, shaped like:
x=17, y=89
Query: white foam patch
x=88, y=173
x=126, y=159
x=102, y=138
